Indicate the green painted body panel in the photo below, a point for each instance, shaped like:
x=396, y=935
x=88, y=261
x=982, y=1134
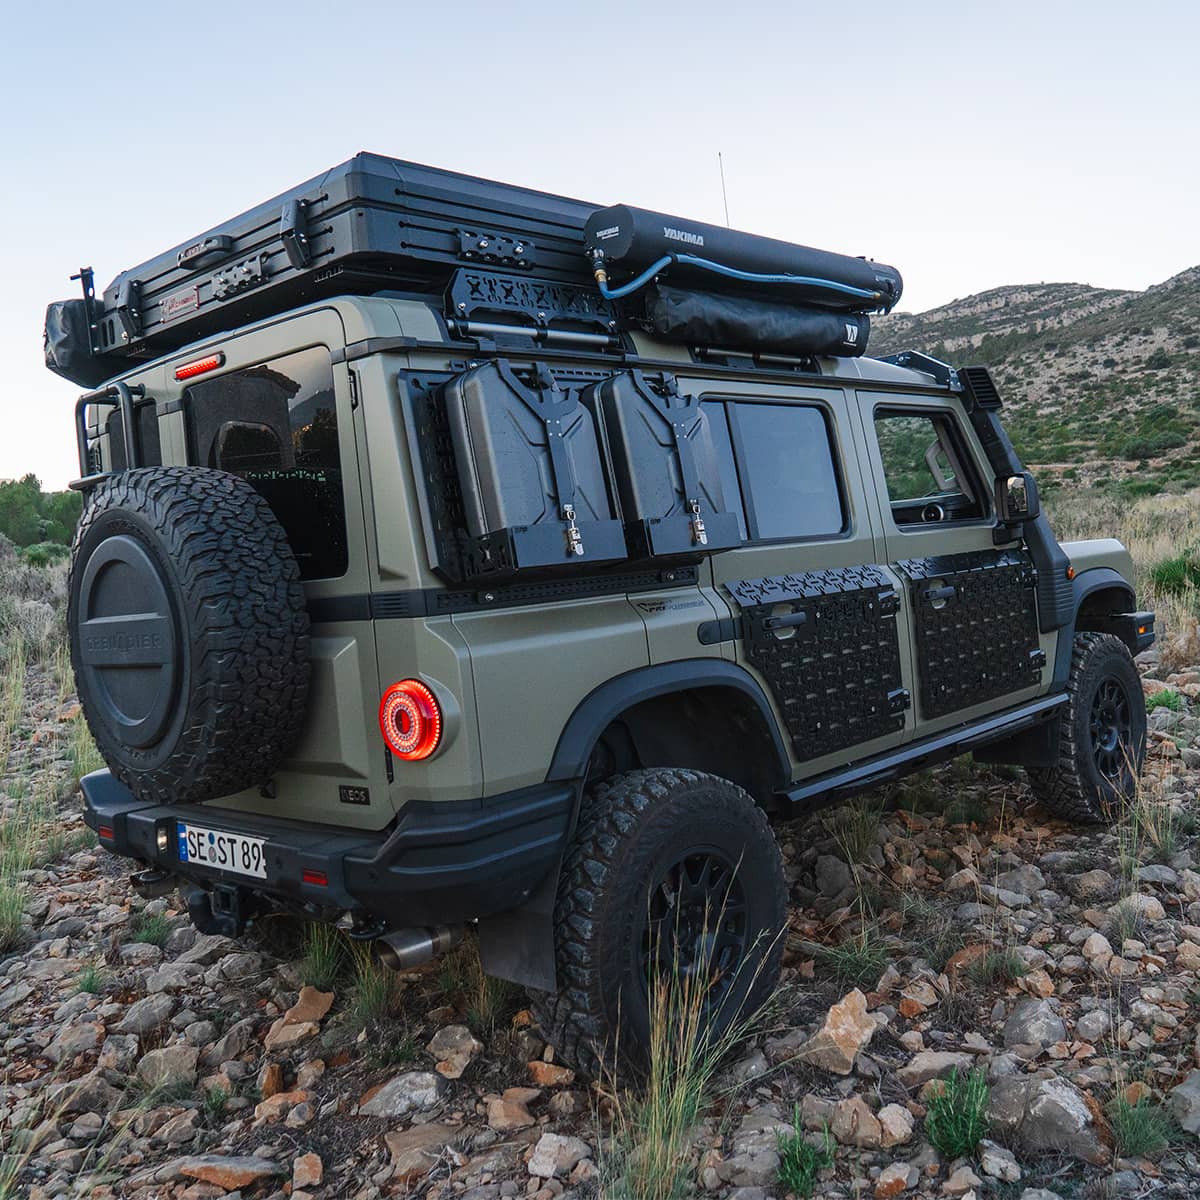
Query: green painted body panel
x=509, y=678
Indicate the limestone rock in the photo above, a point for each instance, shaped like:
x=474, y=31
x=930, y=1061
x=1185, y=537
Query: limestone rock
x=933, y=1064
x=555, y=1156
x=413, y=1091
x=1046, y=1114
x=1033, y=1023
x=847, y=1029
x=1185, y=1102
x=415, y=1151
x=229, y=1172
x=169, y=1067
x=454, y=1046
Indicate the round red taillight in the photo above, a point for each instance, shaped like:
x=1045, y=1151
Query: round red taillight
x=410, y=719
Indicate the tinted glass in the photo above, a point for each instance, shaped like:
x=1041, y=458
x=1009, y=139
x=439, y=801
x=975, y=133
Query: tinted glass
x=275, y=425
x=718, y=424
x=786, y=464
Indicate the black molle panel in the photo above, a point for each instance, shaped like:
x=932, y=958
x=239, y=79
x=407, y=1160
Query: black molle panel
x=826, y=643
x=980, y=641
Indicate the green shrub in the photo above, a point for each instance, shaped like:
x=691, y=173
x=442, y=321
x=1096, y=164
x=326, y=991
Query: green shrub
x=150, y=927
x=42, y=554
x=1175, y=575
x=800, y=1160
x=1165, y=699
x=1139, y=1128
x=857, y=962
x=956, y=1116
x=997, y=966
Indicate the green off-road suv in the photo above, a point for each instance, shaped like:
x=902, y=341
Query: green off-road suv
x=456, y=554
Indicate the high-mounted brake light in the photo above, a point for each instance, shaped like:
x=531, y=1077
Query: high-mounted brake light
x=199, y=366
x=410, y=720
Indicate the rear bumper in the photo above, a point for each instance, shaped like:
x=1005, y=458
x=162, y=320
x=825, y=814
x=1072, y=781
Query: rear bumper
x=440, y=863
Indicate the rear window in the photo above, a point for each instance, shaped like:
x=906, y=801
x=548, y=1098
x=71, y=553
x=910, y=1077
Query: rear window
x=275, y=425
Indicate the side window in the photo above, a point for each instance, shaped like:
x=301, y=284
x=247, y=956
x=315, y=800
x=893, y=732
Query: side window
x=718, y=425
x=926, y=468
x=789, y=478
x=275, y=425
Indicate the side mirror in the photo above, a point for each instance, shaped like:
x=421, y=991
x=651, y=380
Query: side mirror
x=1017, y=498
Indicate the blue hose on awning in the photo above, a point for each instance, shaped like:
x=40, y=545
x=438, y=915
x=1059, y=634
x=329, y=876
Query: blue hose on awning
x=691, y=260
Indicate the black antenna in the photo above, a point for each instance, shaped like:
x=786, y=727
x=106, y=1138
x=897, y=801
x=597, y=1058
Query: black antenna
x=724, y=194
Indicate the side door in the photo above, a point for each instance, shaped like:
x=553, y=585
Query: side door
x=279, y=413
x=971, y=603
x=814, y=616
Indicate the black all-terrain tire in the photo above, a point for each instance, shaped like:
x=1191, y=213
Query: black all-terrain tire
x=189, y=635
x=637, y=832
x=1102, y=734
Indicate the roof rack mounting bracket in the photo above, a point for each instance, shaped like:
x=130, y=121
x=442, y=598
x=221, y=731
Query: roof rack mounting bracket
x=129, y=309
x=293, y=232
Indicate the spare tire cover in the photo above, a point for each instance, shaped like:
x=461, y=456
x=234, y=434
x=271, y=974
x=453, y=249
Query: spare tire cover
x=189, y=635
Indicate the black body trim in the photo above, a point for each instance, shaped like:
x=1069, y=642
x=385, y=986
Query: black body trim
x=442, y=862
x=435, y=602
x=858, y=777
x=597, y=711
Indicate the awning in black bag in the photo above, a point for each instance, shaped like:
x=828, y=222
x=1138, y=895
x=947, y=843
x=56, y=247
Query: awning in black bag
x=760, y=326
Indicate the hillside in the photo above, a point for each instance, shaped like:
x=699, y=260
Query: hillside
x=1102, y=386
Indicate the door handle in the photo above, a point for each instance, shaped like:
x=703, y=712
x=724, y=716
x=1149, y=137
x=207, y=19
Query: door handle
x=939, y=593
x=788, y=622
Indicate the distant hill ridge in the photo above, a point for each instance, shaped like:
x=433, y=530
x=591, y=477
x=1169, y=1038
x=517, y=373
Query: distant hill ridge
x=1101, y=386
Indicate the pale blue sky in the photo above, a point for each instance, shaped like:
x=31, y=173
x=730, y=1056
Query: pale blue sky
x=971, y=145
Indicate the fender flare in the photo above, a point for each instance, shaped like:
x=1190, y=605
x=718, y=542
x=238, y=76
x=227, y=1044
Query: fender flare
x=1094, y=579
x=601, y=707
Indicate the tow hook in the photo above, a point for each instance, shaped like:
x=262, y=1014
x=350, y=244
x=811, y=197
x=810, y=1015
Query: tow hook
x=152, y=884
x=403, y=949
x=226, y=910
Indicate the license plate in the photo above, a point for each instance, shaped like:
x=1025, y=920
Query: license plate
x=225, y=851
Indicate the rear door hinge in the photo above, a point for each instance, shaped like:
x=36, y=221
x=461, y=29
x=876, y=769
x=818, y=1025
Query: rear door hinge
x=353, y=390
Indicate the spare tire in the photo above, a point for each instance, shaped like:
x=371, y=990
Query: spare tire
x=189, y=635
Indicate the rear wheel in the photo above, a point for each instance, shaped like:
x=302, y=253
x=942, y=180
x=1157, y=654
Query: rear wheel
x=1102, y=734
x=674, y=878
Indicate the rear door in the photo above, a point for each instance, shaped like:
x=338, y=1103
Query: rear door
x=971, y=603
x=283, y=420
x=815, y=619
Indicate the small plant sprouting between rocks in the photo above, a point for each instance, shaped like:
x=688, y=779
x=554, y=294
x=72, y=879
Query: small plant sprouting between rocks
x=324, y=956
x=654, y=1122
x=91, y=980
x=997, y=966
x=956, y=1114
x=153, y=928
x=855, y=828
x=800, y=1159
x=485, y=1001
x=376, y=988
x=1167, y=698
x=858, y=961
x=1126, y=923
x=1140, y=1127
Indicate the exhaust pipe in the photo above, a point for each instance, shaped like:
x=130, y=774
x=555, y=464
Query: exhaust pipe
x=403, y=949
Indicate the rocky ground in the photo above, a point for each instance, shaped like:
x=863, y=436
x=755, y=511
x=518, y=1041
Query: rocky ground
x=953, y=927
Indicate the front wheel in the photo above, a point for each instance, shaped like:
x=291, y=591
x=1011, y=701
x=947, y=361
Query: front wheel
x=672, y=894
x=1101, y=734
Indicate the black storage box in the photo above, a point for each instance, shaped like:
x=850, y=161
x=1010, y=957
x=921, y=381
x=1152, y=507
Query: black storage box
x=664, y=467
x=367, y=224
x=529, y=465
